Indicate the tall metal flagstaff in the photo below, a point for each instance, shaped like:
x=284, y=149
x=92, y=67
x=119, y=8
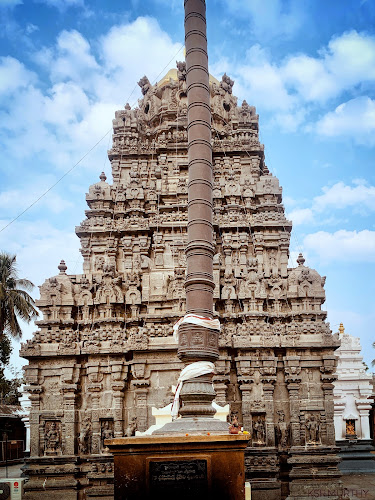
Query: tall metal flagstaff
x=198, y=333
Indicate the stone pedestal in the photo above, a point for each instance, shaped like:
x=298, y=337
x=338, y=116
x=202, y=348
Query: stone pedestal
x=58, y=481
x=314, y=473
x=358, y=456
x=183, y=467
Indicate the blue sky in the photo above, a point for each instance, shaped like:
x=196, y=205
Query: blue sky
x=307, y=65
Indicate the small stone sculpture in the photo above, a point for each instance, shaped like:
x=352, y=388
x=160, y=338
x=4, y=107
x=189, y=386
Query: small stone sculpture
x=312, y=429
x=107, y=431
x=259, y=431
x=52, y=438
x=234, y=427
x=132, y=427
x=282, y=431
x=84, y=438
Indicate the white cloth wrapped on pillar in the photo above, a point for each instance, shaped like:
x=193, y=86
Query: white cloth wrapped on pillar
x=195, y=319
x=190, y=371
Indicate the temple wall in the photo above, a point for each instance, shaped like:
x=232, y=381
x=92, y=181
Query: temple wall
x=104, y=354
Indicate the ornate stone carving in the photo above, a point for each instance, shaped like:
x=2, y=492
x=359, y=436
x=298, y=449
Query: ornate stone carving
x=282, y=431
x=259, y=430
x=84, y=438
x=312, y=425
x=114, y=322
x=132, y=427
x=106, y=431
x=52, y=437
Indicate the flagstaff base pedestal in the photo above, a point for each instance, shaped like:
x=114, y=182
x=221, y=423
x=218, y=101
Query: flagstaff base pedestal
x=179, y=467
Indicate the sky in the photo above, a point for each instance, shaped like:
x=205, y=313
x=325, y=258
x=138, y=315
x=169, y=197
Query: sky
x=307, y=65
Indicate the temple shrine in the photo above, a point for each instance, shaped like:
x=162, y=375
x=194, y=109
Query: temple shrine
x=104, y=353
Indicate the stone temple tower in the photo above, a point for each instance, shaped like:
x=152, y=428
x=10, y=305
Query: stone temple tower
x=104, y=353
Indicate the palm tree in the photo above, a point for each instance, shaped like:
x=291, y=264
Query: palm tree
x=15, y=302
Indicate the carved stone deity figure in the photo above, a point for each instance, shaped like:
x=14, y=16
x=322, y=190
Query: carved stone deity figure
x=52, y=437
x=106, y=431
x=84, y=438
x=282, y=431
x=234, y=426
x=226, y=83
x=131, y=428
x=145, y=84
x=312, y=429
x=259, y=431
x=350, y=428
x=181, y=70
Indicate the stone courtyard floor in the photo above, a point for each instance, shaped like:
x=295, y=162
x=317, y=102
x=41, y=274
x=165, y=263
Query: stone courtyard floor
x=356, y=486
x=359, y=486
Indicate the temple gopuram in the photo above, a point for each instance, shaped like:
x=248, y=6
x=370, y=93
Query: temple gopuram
x=104, y=353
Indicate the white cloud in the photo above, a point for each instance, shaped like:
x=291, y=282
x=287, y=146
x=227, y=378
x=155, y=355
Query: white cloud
x=264, y=83
x=348, y=60
x=340, y=196
x=39, y=242
x=351, y=58
x=30, y=28
x=343, y=245
x=354, y=119
x=39, y=247
x=63, y=121
x=309, y=77
x=72, y=60
x=13, y=76
x=270, y=17
x=302, y=84
x=360, y=196
x=301, y=216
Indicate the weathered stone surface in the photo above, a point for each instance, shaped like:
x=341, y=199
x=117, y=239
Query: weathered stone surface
x=104, y=354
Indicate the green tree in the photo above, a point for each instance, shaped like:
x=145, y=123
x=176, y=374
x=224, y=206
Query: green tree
x=15, y=302
x=9, y=392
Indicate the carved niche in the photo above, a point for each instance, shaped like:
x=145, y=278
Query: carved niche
x=52, y=437
x=106, y=431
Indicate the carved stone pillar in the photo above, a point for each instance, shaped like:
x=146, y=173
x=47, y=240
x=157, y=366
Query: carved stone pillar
x=35, y=391
x=118, y=376
x=95, y=388
x=221, y=380
x=69, y=378
x=284, y=252
x=327, y=378
x=293, y=380
x=268, y=382
x=69, y=399
x=221, y=386
x=141, y=392
x=327, y=387
x=246, y=388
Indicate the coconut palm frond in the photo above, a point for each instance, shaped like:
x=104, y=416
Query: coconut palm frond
x=15, y=302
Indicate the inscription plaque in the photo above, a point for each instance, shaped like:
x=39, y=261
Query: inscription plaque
x=182, y=476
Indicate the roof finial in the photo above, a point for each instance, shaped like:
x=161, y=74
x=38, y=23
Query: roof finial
x=341, y=329
x=300, y=260
x=62, y=267
x=103, y=177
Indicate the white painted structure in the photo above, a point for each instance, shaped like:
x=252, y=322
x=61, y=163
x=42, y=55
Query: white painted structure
x=352, y=389
x=164, y=416
x=25, y=403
